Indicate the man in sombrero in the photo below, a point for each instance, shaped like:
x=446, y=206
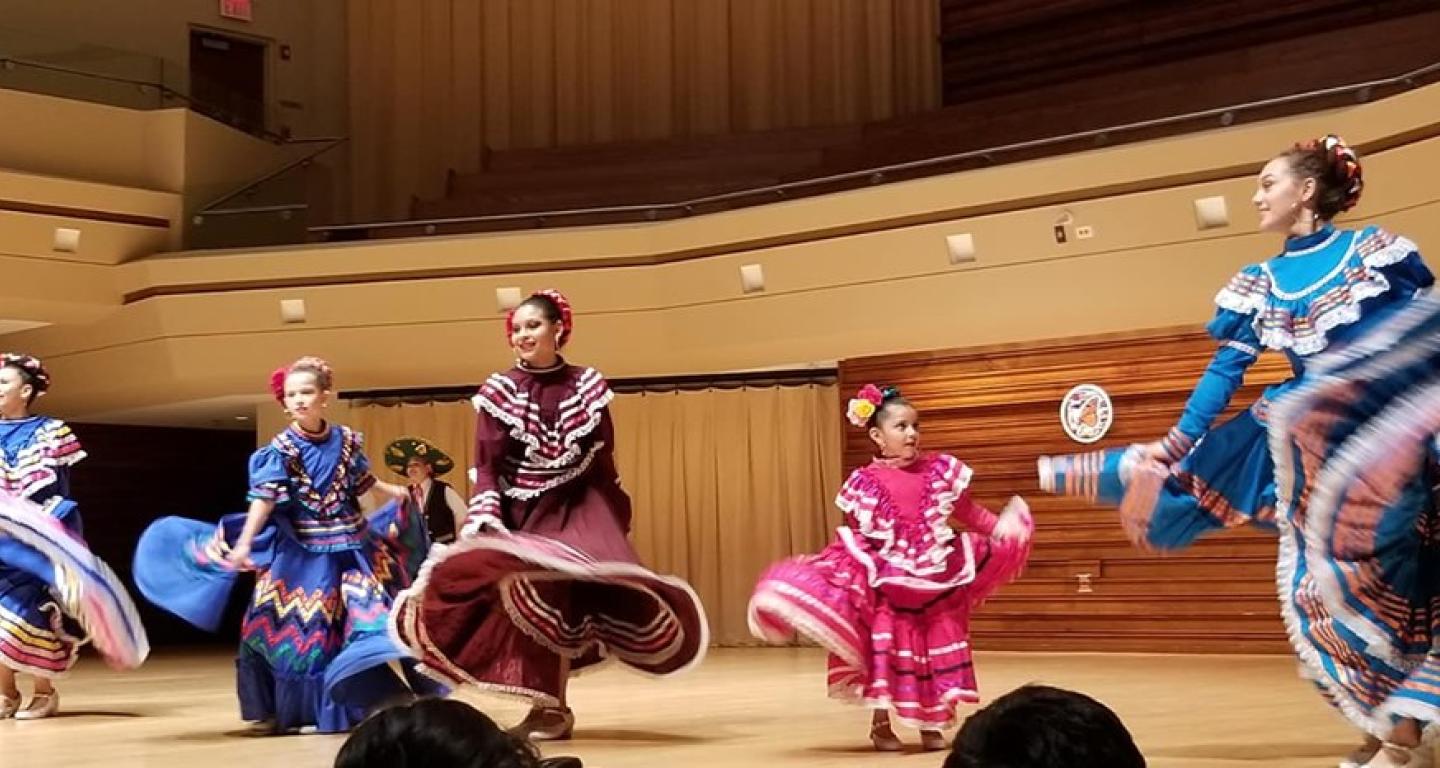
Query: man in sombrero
x=421, y=463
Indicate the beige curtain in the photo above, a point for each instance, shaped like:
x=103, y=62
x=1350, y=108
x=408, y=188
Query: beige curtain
x=727, y=481
x=448, y=426
x=724, y=481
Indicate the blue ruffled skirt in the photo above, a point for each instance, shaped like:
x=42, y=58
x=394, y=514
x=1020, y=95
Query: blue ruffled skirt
x=315, y=649
x=55, y=594
x=1359, y=567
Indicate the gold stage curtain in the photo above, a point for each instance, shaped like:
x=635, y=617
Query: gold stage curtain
x=448, y=426
x=727, y=481
x=724, y=481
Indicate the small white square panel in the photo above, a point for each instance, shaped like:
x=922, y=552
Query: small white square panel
x=752, y=278
x=961, y=247
x=67, y=240
x=507, y=298
x=1211, y=213
x=292, y=310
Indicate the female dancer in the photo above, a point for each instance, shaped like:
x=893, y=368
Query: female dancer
x=54, y=594
x=544, y=582
x=314, y=650
x=1355, y=572
x=890, y=598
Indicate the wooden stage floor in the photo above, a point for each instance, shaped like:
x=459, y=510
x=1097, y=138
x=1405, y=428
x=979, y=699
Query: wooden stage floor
x=757, y=707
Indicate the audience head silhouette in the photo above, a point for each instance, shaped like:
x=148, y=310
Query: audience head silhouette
x=1042, y=727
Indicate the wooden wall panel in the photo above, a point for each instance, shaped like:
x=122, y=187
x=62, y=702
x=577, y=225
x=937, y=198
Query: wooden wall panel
x=1003, y=106
x=996, y=409
x=1000, y=101
x=993, y=47
x=463, y=142
x=436, y=83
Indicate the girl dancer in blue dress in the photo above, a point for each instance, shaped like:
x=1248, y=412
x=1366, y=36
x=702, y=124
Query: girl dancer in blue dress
x=1335, y=458
x=314, y=652
x=54, y=594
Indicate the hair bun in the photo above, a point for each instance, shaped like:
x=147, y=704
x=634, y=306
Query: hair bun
x=1345, y=171
x=1335, y=168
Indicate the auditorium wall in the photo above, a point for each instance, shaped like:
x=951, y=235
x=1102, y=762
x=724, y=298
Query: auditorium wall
x=847, y=275
x=445, y=80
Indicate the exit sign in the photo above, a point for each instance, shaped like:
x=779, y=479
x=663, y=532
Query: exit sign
x=240, y=10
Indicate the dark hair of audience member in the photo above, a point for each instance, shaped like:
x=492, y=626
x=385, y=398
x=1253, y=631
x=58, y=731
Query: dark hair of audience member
x=1038, y=726
x=434, y=733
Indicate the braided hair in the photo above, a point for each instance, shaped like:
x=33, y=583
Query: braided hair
x=1335, y=167
x=31, y=372
x=321, y=370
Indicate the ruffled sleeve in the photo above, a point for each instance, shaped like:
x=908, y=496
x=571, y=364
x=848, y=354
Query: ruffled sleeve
x=1397, y=258
x=60, y=446
x=45, y=464
x=1255, y=313
x=859, y=500
x=1298, y=301
x=490, y=444
x=948, y=498
x=1234, y=328
x=604, y=441
x=268, y=479
x=360, y=474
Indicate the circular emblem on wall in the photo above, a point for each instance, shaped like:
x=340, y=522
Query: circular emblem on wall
x=1086, y=413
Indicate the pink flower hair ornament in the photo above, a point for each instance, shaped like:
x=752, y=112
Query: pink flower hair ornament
x=324, y=375
x=277, y=382
x=862, y=407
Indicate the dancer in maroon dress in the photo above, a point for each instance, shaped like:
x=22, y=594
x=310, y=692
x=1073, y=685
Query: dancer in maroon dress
x=543, y=581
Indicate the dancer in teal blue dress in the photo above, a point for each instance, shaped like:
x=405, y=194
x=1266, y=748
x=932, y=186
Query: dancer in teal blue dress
x=1335, y=459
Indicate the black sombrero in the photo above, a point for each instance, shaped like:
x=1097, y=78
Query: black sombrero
x=399, y=453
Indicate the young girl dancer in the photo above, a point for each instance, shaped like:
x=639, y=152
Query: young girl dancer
x=890, y=598
x=314, y=652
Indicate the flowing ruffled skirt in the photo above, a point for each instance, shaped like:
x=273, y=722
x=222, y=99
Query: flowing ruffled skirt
x=500, y=611
x=893, y=643
x=55, y=594
x=314, y=648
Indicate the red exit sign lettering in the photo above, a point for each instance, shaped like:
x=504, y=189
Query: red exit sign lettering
x=240, y=10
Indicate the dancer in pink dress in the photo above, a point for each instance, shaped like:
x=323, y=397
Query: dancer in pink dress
x=890, y=598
